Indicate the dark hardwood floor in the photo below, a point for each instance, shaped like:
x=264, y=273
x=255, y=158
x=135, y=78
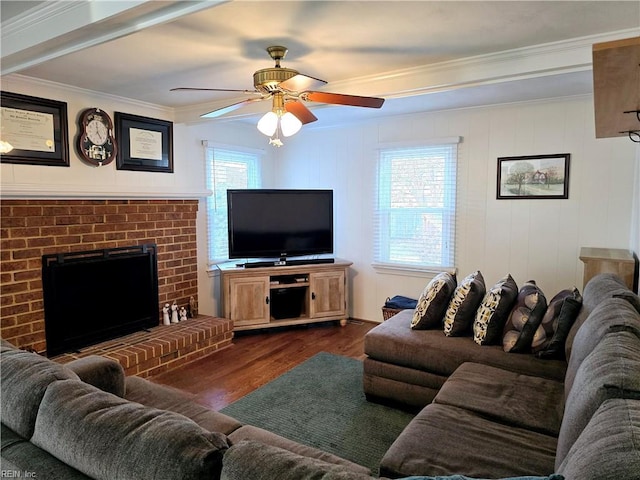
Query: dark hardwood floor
x=256, y=358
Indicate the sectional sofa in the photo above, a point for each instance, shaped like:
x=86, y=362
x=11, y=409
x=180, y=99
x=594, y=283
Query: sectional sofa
x=86, y=420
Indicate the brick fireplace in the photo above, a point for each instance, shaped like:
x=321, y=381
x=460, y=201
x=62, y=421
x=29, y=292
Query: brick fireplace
x=32, y=228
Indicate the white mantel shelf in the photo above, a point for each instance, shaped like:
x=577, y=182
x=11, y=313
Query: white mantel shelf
x=92, y=192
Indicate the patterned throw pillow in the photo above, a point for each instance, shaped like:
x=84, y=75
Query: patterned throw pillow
x=433, y=302
x=463, y=305
x=494, y=310
x=521, y=331
x=556, y=323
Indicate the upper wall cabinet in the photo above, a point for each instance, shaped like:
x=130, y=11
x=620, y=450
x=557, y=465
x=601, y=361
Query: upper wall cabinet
x=616, y=87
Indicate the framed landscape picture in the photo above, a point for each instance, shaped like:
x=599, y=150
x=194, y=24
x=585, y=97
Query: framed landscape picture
x=145, y=144
x=533, y=177
x=36, y=130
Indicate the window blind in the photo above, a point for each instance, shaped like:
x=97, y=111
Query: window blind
x=415, y=213
x=226, y=169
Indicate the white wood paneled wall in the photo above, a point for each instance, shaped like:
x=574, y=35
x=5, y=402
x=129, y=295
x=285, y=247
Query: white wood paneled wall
x=531, y=239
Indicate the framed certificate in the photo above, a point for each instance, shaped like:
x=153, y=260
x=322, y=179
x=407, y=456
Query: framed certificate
x=35, y=130
x=145, y=144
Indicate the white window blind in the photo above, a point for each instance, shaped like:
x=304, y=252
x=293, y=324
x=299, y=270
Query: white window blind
x=226, y=169
x=416, y=206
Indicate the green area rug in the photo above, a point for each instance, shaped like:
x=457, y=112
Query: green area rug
x=321, y=403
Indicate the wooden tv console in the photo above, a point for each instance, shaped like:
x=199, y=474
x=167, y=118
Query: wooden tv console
x=274, y=296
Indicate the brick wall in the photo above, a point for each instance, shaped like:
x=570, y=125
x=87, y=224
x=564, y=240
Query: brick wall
x=32, y=228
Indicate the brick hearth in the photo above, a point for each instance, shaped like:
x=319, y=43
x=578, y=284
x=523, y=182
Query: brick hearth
x=164, y=347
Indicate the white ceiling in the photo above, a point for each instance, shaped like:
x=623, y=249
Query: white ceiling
x=420, y=55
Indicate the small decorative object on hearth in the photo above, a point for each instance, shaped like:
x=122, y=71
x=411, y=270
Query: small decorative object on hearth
x=193, y=307
x=165, y=314
x=174, y=312
x=183, y=314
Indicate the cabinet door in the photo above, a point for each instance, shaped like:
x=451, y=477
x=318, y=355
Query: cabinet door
x=327, y=294
x=248, y=300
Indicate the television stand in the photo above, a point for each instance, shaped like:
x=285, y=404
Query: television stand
x=291, y=294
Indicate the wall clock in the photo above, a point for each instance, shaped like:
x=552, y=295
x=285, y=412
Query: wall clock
x=96, y=142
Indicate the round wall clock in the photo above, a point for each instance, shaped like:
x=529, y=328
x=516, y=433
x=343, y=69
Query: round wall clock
x=96, y=141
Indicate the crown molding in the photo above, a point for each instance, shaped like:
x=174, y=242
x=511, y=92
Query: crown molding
x=39, y=84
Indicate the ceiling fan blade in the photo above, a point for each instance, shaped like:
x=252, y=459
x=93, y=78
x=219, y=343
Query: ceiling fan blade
x=340, y=99
x=212, y=90
x=300, y=82
x=298, y=110
x=230, y=108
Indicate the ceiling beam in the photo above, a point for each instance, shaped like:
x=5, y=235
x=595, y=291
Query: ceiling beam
x=55, y=28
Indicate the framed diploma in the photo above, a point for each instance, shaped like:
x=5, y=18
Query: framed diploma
x=36, y=130
x=145, y=144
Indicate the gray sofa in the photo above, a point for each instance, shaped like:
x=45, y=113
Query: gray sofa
x=86, y=420
x=488, y=414
x=489, y=418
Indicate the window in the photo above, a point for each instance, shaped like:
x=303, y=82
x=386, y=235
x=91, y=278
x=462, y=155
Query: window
x=226, y=169
x=416, y=206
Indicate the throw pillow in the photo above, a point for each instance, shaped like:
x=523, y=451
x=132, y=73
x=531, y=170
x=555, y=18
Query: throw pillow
x=494, y=310
x=521, y=329
x=463, y=305
x=433, y=302
x=561, y=312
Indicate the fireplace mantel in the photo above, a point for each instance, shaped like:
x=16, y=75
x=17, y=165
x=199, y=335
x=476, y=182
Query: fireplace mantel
x=92, y=192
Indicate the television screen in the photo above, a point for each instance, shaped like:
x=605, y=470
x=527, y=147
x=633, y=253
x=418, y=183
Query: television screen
x=279, y=223
x=94, y=296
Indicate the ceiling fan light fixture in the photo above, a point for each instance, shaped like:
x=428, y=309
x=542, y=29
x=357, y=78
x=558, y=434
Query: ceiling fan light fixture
x=289, y=124
x=268, y=124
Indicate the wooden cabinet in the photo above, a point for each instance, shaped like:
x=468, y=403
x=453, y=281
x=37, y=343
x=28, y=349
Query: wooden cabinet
x=609, y=260
x=616, y=87
x=284, y=295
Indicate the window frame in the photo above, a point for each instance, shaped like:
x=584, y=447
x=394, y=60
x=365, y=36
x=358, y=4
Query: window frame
x=216, y=206
x=382, y=261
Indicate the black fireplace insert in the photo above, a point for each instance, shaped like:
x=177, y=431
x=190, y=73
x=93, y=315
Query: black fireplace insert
x=97, y=295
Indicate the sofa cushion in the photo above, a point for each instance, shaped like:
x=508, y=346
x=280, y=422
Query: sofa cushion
x=610, y=316
x=507, y=397
x=256, y=434
x=463, y=305
x=598, y=289
x=22, y=459
x=521, y=332
x=553, y=476
x=557, y=321
x=143, y=391
x=109, y=438
x=431, y=351
x=493, y=311
x=24, y=377
x=611, y=370
x=609, y=446
x=257, y=461
x=433, y=302
x=442, y=440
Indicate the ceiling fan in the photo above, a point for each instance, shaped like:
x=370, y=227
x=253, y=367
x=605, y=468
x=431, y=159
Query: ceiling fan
x=287, y=88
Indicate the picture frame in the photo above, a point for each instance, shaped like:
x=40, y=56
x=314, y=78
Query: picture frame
x=533, y=177
x=37, y=129
x=145, y=144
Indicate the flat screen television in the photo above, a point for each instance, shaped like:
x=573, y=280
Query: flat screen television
x=267, y=223
x=96, y=295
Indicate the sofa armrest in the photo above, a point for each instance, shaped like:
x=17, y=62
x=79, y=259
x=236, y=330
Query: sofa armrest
x=103, y=373
x=257, y=461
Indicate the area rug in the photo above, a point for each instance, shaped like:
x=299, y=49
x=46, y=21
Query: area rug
x=321, y=403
